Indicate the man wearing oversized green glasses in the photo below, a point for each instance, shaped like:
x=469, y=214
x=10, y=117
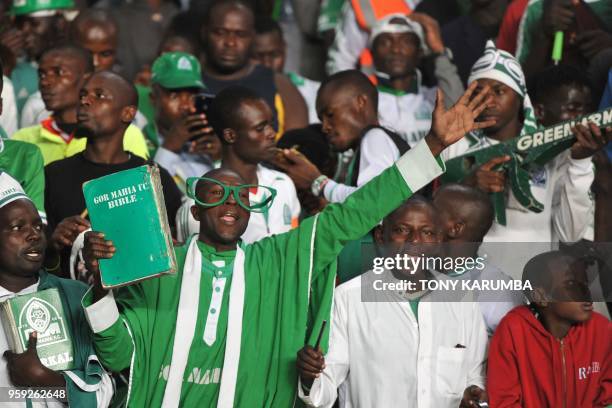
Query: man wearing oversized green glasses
x=224, y=331
x=243, y=122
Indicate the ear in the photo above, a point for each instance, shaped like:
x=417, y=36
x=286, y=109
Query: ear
x=229, y=136
x=128, y=113
x=194, y=212
x=362, y=102
x=456, y=230
x=538, y=110
x=378, y=234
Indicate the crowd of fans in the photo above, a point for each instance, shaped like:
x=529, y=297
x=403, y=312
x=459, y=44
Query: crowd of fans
x=295, y=139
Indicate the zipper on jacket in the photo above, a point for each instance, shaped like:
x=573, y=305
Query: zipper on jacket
x=564, y=374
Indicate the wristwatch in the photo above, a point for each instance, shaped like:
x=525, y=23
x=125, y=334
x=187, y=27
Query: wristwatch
x=318, y=184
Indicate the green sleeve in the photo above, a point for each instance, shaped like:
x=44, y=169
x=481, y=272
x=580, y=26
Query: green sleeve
x=527, y=30
x=365, y=208
x=114, y=345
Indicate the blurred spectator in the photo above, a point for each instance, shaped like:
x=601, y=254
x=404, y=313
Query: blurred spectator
x=270, y=50
x=508, y=31
x=63, y=70
x=142, y=24
x=349, y=48
x=467, y=35
x=398, y=44
x=41, y=25
x=229, y=32
x=94, y=30
x=587, y=31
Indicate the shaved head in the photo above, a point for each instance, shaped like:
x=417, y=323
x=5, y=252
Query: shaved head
x=120, y=86
x=350, y=81
x=466, y=205
x=90, y=18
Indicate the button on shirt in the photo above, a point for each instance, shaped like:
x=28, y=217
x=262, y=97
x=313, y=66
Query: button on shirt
x=380, y=356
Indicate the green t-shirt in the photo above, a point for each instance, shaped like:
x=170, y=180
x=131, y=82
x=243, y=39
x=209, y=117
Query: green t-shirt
x=24, y=162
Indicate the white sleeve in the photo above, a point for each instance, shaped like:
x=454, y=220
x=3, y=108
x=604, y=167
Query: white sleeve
x=350, y=40
x=378, y=152
x=8, y=119
x=186, y=225
x=572, y=203
x=105, y=393
x=477, y=350
x=33, y=111
x=324, y=390
x=294, y=205
x=102, y=314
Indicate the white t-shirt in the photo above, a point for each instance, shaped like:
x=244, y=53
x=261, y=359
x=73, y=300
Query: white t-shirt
x=408, y=114
x=8, y=119
x=282, y=216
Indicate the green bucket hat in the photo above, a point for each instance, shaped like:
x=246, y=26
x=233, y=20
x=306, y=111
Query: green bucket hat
x=176, y=70
x=22, y=7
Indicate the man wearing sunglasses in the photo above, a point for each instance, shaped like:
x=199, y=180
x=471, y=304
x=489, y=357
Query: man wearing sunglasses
x=224, y=331
x=243, y=121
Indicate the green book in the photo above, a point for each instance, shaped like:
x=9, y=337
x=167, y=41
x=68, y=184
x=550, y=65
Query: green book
x=43, y=313
x=128, y=207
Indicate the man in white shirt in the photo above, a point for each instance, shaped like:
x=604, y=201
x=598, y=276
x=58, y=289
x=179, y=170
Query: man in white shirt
x=398, y=44
x=352, y=35
x=399, y=348
x=243, y=121
x=466, y=214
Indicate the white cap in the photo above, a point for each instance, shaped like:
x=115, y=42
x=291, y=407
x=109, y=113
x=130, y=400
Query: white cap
x=405, y=25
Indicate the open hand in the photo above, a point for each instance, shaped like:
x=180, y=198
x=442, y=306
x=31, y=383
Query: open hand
x=67, y=230
x=448, y=126
x=26, y=370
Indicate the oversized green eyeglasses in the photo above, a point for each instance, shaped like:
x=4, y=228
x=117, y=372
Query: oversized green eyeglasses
x=219, y=192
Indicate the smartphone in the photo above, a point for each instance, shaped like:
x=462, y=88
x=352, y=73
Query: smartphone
x=202, y=102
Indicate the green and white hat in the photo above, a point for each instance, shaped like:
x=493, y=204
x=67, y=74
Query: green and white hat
x=177, y=70
x=10, y=190
x=503, y=67
x=40, y=8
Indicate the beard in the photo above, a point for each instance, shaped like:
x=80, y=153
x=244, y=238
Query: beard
x=84, y=131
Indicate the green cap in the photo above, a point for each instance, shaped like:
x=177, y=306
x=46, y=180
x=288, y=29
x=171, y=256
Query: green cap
x=175, y=70
x=21, y=7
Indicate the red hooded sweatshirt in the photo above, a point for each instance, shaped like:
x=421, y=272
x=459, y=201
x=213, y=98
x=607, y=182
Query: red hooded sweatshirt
x=529, y=368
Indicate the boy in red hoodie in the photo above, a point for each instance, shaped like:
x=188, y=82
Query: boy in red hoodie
x=556, y=352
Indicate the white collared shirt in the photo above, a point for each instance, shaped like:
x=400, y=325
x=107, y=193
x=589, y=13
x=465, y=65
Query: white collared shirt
x=381, y=356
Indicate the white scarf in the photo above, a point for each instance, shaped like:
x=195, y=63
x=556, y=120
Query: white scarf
x=186, y=320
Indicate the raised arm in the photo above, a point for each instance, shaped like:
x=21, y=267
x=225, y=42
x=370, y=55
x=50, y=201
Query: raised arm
x=362, y=210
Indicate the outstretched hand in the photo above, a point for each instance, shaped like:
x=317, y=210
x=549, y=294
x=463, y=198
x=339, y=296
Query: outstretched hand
x=448, y=126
